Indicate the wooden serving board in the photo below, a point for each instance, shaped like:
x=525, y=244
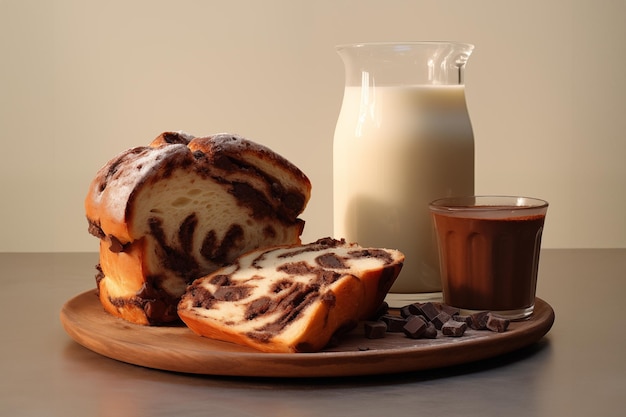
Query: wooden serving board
x=176, y=348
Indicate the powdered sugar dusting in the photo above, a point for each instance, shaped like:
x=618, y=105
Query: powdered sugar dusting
x=130, y=169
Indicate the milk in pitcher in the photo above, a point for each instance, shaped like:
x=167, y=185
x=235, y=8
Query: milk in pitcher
x=396, y=148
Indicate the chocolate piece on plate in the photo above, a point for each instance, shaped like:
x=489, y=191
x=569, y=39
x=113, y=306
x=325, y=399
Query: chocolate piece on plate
x=430, y=332
x=430, y=310
x=440, y=319
x=453, y=328
x=406, y=312
x=394, y=323
x=416, y=309
x=414, y=327
x=479, y=320
x=496, y=323
x=375, y=329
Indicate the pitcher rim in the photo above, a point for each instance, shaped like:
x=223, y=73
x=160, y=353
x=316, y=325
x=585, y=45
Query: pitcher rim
x=342, y=46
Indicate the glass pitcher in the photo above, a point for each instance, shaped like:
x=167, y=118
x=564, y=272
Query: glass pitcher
x=403, y=138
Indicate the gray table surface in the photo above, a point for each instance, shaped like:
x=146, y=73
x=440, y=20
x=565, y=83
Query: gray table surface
x=577, y=369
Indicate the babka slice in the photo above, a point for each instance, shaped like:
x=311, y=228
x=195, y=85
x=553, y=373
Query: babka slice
x=182, y=207
x=291, y=298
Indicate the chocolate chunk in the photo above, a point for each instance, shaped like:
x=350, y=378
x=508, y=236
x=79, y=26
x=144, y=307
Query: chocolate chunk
x=183, y=263
x=159, y=311
x=233, y=240
x=415, y=309
x=372, y=253
x=115, y=245
x=496, y=323
x=199, y=154
x=269, y=232
x=186, y=232
x=394, y=324
x=209, y=243
x=258, y=307
x=296, y=268
x=293, y=204
x=329, y=298
x=415, y=326
x=406, y=312
x=430, y=332
x=252, y=199
x=331, y=260
x=202, y=298
x=329, y=242
x=453, y=328
x=175, y=138
x=328, y=277
x=232, y=293
x=281, y=285
x=220, y=279
x=99, y=276
x=319, y=245
x=158, y=305
x=375, y=329
x=421, y=316
x=479, y=320
x=440, y=319
x=429, y=310
x=94, y=229
x=218, y=252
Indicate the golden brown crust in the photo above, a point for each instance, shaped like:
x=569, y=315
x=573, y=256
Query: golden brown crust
x=376, y=286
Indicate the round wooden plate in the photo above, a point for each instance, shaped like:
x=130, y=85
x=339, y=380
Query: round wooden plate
x=176, y=348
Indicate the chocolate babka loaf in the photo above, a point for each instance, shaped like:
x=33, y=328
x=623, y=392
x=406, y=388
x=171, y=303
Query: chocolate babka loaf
x=181, y=208
x=291, y=298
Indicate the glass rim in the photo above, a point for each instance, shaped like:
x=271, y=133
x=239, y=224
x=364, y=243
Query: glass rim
x=487, y=203
x=464, y=45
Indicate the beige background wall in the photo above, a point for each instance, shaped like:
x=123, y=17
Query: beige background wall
x=83, y=80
